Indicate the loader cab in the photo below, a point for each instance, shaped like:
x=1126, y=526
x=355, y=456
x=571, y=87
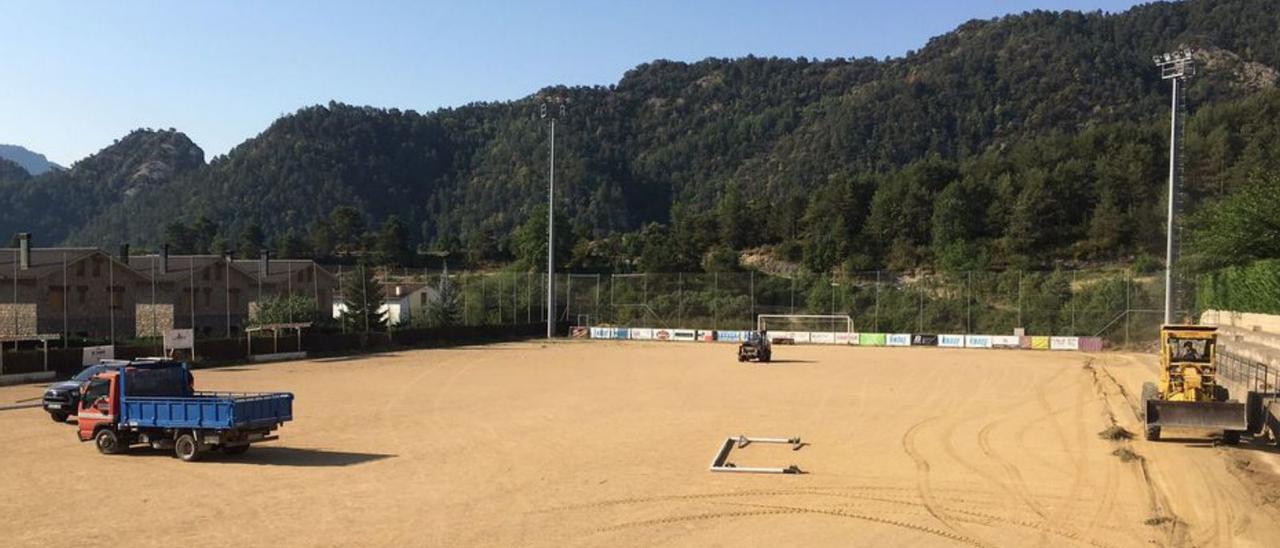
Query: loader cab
x=1188, y=363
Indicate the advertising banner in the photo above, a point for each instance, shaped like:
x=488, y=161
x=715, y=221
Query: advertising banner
x=594, y=332
x=1039, y=343
x=1091, y=344
x=661, y=334
x=706, y=336
x=801, y=337
x=641, y=334
x=1064, y=343
x=951, y=341
x=977, y=341
x=871, y=339
x=898, y=339
x=729, y=336
x=684, y=335
x=820, y=337
x=94, y=354
x=1005, y=341
x=846, y=338
x=621, y=333
x=924, y=340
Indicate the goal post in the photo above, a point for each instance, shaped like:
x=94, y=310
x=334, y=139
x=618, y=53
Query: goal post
x=813, y=323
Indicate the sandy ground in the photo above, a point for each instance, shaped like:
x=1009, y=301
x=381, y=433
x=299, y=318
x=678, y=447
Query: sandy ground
x=607, y=444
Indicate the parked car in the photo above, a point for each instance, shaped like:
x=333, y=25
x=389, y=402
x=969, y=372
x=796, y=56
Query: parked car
x=62, y=399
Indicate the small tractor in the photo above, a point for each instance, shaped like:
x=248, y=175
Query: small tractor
x=1188, y=394
x=757, y=347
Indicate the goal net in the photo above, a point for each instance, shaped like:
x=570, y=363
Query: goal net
x=805, y=323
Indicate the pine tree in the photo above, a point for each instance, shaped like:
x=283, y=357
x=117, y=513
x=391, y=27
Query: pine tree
x=364, y=301
x=445, y=311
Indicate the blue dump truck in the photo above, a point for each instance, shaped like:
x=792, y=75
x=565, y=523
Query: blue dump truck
x=153, y=402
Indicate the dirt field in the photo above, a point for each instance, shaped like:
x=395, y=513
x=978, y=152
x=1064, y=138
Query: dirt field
x=607, y=444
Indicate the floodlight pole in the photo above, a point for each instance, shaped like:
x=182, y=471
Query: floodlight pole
x=551, y=217
x=551, y=235
x=1177, y=67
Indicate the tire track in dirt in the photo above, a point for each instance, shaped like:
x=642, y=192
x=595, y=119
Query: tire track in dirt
x=1174, y=528
x=1078, y=477
x=923, y=487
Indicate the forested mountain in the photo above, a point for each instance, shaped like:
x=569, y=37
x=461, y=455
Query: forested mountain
x=1024, y=141
x=32, y=162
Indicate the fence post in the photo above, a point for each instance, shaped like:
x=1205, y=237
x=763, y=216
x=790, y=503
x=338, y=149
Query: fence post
x=1128, y=281
x=1072, y=295
x=715, y=301
x=920, y=306
x=876, y=328
x=968, y=301
x=752, y=320
x=1020, y=323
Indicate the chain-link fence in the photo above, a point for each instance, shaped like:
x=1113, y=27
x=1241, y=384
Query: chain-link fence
x=1120, y=306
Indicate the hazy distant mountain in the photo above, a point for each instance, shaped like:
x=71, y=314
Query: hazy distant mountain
x=34, y=162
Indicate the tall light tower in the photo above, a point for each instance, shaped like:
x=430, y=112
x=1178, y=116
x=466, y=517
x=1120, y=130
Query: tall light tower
x=1176, y=67
x=551, y=218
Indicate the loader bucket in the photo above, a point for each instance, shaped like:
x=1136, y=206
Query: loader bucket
x=1202, y=415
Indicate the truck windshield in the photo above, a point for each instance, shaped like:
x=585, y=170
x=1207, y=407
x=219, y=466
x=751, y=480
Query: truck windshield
x=1190, y=350
x=98, y=388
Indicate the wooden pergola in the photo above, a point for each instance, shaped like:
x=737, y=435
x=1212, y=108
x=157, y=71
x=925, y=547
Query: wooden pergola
x=275, y=329
x=43, y=339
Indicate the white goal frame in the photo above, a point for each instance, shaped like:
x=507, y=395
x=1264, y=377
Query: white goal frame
x=832, y=318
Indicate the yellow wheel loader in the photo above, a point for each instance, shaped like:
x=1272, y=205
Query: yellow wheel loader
x=1188, y=394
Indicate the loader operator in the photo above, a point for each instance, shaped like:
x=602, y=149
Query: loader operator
x=1189, y=352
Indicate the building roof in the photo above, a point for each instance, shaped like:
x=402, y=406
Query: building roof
x=279, y=270
x=46, y=261
x=180, y=266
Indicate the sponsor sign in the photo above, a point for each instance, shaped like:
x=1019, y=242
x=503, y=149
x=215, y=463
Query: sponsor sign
x=179, y=339
x=781, y=335
x=1091, y=344
x=822, y=338
x=621, y=333
x=95, y=354
x=924, y=340
x=801, y=337
x=846, y=338
x=706, y=336
x=1005, y=341
x=951, y=341
x=662, y=334
x=977, y=341
x=871, y=339
x=594, y=332
x=898, y=339
x=684, y=335
x=1064, y=343
x=641, y=334
x=730, y=336
x=1039, y=343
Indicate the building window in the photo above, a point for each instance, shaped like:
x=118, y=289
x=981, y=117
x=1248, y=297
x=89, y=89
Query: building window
x=207, y=293
x=97, y=269
x=80, y=269
x=205, y=274
x=83, y=291
x=235, y=298
x=117, y=297
x=217, y=274
x=56, y=293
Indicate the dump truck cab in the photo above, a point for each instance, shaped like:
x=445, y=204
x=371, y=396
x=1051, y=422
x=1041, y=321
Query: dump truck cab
x=1187, y=394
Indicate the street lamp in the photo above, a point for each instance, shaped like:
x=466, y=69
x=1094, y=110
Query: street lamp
x=1177, y=67
x=551, y=213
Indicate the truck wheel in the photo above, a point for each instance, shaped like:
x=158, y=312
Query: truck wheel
x=1220, y=393
x=107, y=442
x=1152, y=433
x=186, y=448
x=236, y=450
x=58, y=417
x=1231, y=437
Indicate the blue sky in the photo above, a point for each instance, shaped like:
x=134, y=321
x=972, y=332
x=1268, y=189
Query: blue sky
x=78, y=75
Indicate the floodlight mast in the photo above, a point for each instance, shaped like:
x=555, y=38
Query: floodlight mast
x=1177, y=67
x=551, y=217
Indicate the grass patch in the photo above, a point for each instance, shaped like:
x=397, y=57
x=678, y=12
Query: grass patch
x=1126, y=455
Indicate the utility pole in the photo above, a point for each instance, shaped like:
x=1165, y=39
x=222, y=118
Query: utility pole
x=551, y=218
x=1177, y=67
